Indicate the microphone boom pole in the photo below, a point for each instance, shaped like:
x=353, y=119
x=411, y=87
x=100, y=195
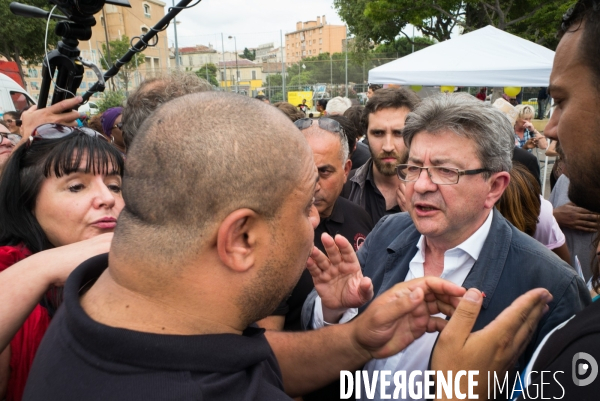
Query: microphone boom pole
x=142, y=43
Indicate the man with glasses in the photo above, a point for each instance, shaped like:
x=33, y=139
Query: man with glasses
x=459, y=157
x=572, y=352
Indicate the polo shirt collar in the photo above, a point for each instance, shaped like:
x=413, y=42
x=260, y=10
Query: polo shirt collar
x=337, y=214
x=220, y=353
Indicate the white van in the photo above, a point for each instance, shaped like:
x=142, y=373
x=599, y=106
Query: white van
x=13, y=96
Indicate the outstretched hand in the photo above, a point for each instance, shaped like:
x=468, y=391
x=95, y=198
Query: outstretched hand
x=404, y=313
x=338, y=277
x=497, y=346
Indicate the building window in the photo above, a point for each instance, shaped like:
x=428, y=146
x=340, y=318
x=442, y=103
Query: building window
x=90, y=85
x=34, y=85
x=102, y=21
x=89, y=74
x=33, y=73
x=310, y=52
x=144, y=30
x=320, y=31
x=320, y=41
x=253, y=74
x=147, y=10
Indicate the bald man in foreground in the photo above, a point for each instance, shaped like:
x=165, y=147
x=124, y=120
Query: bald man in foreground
x=210, y=241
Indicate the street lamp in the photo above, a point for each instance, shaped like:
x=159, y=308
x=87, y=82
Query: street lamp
x=237, y=70
x=176, y=45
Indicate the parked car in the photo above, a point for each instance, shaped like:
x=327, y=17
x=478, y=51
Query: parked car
x=90, y=108
x=13, y=96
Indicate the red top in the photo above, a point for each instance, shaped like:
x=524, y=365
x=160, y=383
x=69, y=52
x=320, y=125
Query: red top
x=25, y=343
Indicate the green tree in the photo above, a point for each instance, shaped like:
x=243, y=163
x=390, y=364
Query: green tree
x=208, y=70
x=382, y=20
x=248, y=54
x=111, y=99
x=274, y=80
x=22, y=39
x=118, y=48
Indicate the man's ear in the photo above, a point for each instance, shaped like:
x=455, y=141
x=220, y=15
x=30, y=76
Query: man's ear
x=237, y=238
x=347, y=168
x=498, y=183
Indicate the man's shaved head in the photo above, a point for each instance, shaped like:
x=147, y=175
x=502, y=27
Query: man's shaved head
x=196, y=160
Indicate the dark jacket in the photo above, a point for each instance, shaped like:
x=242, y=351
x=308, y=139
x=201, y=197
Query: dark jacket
x=510, y=264
x=360, y=189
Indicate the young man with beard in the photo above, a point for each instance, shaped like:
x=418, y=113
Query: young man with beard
x=373, y=186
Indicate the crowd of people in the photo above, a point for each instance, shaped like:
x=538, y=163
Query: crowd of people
x=195, y=244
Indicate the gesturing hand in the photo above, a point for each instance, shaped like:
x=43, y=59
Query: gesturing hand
x=404, y=313
x=338, y=278
x=497, y=346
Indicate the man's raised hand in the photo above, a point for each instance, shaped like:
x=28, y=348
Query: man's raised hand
x=338, y=277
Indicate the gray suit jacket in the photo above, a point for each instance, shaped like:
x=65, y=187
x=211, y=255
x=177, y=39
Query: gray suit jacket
x=510, y=264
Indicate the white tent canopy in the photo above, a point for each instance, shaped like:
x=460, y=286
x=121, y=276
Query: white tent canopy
x=485, y=57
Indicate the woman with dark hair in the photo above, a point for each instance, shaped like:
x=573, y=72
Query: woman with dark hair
x=522, y=205
x=60, y=188
x=11, y=118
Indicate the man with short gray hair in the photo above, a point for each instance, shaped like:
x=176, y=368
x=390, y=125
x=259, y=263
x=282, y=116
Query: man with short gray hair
x=459, y=157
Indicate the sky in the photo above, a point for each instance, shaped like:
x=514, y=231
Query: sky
x=251, y=22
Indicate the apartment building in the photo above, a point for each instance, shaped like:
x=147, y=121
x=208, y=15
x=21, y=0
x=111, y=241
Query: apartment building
x=312, y=38
x=195, y=57
x=120, y=21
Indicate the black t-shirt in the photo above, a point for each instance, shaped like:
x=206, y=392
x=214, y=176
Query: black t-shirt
x=348, y=220
x=570, y=350
x=375, y=204
x=81, y=359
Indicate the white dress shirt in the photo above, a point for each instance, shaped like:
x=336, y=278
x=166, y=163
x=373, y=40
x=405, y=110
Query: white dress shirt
x=458, y=262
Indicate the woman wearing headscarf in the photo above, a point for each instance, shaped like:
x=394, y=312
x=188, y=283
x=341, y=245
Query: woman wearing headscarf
x=111, y=125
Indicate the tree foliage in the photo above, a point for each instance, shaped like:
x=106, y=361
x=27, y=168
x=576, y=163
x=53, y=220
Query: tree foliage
x=248, y=54
x=208, y=70
x=381, y=21
x=118, y=48
x=22, y=39
x=111, y=99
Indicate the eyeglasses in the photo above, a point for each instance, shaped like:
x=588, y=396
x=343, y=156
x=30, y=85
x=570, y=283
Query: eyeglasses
x=438, y=175
x=13, y=138
x=57, y=131
x=328, y=124
x=5, y=135
x=119, y=126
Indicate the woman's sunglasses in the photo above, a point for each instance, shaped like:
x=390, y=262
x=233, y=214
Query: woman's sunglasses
x=57, y=131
